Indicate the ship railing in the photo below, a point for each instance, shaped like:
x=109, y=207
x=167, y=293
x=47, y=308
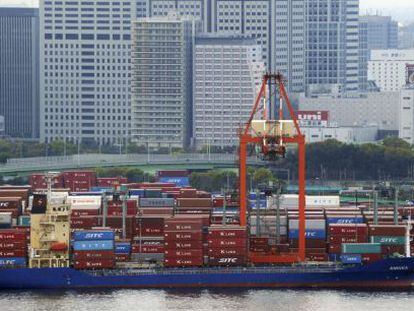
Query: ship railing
x=221, y=270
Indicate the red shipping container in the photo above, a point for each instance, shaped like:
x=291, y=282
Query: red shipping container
x=220, y=233
x=348, y=239
x=11, y=245
x=183, y=253
x=260, y=249
x=368, y=258
x=317, y=257
x=335, y=248
x=13, y=253
x=227, y=261
x=193, y=202
x=351, y=229
x=233, y=243
x=136, y=248
x=94, y=264
x=85, y=212
x=183, y=236
x=223, y=252
x=93, y=255
x=12, y=203
x=157, y=211
x=13, y=235
x=204, y=218
x=148, y=230
x=309, y=243
x=85, y=222
x=183, y=225
x=183, y=262
x=122, y=257
x=385, y=230
x=259, y=241
x=183, y=244
x=218, y=202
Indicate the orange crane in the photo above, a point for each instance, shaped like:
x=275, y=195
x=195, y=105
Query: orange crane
x=272, y=137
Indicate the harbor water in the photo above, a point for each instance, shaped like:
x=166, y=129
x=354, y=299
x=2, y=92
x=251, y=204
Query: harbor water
x=218, y=300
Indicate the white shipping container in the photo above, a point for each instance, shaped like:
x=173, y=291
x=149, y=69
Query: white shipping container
x=270, y=220
x=6, y=218
x=85, y=202
x=309, y=224
x=292, y=200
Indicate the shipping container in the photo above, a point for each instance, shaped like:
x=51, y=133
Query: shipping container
x=122, y=247
x=193, y=202
x=309, y=234
x=93, y=245
x=309, y=224
x=183, y=262
x=183, y=253
x=361, y=248
x=181, y=181
x=227, y=261
x=345, y=220
x=183, y=236
x=388, y=240
x=231, y=243
x=147, y=248
x=338, y=239
x=348, y=229
x=13, y=253
x=93, y=255
x=13, y=262
x=183, y=244
x=223, y=232
x=93, y=235
x=225, y=251
x=385, y=230
x=94, y=264
x=156, y=202
x=351, y=258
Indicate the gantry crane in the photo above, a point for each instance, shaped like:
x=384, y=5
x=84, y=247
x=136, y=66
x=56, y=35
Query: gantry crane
x=272, y=136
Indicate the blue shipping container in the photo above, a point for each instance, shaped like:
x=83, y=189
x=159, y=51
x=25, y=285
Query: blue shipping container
x=24, y=221
x=13, y=261
x=122, y=248
x=93, y=235
x=345, y=220
x=102, y=189
x=253, y=196
x=262, y=203
x=93, y=245
x=309, y=234
x=351, y=258
x=138, y=192
x=180, y=181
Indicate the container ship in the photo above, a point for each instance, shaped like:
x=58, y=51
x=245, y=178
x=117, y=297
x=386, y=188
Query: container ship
x=160, y=235
x=108, y=233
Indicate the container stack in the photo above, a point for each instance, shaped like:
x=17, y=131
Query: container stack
x=227, y=245
x=193, y=205
x=148, y=244
x=315, y=234
x=39, y=182
x=80, y=181
x=122, y=251
x=178, y=177
x=110, y=182
x=13, y=248
x=360, y=252
x=85, y=211
x=345, y=233
x=93, y=249
x=183, y=242
x=391, y=238
x=115, y=208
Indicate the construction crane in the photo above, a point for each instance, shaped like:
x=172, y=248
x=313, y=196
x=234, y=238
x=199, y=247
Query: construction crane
x=272, y=136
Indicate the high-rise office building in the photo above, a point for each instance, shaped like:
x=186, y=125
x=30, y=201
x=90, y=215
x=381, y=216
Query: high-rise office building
x=227, y=73
x=332, y=45
x=162, y=71
x=382, y=32
x=276, y=25
x=19, y=71
x=85, y=70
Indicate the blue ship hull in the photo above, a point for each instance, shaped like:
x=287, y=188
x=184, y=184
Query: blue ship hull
x=384, y=274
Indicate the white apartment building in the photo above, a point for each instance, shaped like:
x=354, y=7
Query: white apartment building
x=406, y=114
x=344, y=134
x=85, y=70
x=387, y=68
x=367, y=109
x=227, y=74
x=162, y=58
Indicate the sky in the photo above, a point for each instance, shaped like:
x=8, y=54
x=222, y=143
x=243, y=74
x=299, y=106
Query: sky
x=376, y=4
